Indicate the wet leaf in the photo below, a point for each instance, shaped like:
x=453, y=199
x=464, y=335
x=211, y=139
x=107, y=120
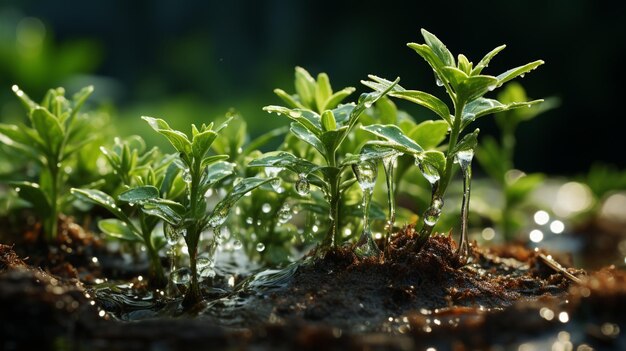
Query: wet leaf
x=485, y=60
x=429, y=134
x=394, y=138
x=139, y=194
x=518, y=71
x=118, y=230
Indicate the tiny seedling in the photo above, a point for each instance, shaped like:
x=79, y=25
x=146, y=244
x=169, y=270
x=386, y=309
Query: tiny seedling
x=136, y=170
x=319, y=121
x=55, y=134
x=189, y=217
x=466, y=86
x=497, y=159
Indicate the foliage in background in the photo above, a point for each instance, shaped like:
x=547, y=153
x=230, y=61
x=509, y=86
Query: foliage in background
x=496, y=158
x=55, y=135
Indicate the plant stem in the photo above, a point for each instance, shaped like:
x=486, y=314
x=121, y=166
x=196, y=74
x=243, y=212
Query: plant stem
x=51, y=223
x=332, y=236
x=448, y=172
x=157, y=276
x=193, y=295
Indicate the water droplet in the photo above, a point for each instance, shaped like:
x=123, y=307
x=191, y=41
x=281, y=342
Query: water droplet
x=249, y=220
x=464, y=159
x=284, y=214
x=172, y=235
x=428, y=171
x=205, y=267
x=181, y=276
x=303, y=187
x=469, y=116
x=266, y=208
x=260, y=247
x=220, y=213
x=237, y=245
x=272, y=172
x=365, y=173
x=491, y=87
x=187, y=176
x=438, y=81
x=389, y=164
x=295, y=114
x=522, y=75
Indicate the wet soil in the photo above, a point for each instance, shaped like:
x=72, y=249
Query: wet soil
x=503, y=298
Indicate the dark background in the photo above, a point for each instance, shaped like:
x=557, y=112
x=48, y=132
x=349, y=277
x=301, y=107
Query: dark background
x=192, y=60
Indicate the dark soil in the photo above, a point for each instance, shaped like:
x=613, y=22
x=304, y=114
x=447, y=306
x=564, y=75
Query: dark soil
x=503, y=298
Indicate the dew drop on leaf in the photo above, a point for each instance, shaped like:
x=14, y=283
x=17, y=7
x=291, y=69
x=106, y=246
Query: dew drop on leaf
x=260, y=247
x=303, y=187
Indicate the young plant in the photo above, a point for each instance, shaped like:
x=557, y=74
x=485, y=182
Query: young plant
x=497, y=158
x=136, y=170
x=200, y=172
x=319, y=121
x=466, y=86
x=55, y=134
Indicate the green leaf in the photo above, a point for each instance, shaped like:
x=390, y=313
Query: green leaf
x=202, y=143
x=212, y=159
x=79, y=100
x=421, y=98
x=519, y=190
x=288, y=99
x=32, y=193
x=309, y=119
x=323, y=91
x=468, y=142
x=394, y=138
x=454, y=75
x=24, y=99
x=328, y=121
x=305, y=87
x=139, y=194
x=21, y=137
x=485, y=60
x=218, y=171
x=307, y=136
x=429, y=56
x=48, y=128
x=518, y=71
x=332, y=138
x=435, y=159
x=387, y=110
x=170, y=211
x=429, y=101
x=102, y=199
x=429, y=134
x=475, y=87
x=482, y=107
x=285, y=160
x=178, y=139
x=438, y=48
x=492, y=159
x=118, y=230
x=464, y=64
x=337, y=98
x=371, y=151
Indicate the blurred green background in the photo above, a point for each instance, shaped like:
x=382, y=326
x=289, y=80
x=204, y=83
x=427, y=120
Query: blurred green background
x=192, y=61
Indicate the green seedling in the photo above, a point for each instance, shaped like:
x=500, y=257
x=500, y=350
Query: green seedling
x=55, y=134
x=201, y=171
x=497, y=159
x=137, y=171
x=466, y=86
x=319, y=121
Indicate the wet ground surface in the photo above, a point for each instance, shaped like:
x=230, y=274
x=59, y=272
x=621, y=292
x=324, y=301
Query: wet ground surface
x=506, y=298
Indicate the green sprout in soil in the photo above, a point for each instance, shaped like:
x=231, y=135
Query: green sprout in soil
x=137, y=170
x=497, y=158
x=55, y=134
x=319, y=121
x=466, y=86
